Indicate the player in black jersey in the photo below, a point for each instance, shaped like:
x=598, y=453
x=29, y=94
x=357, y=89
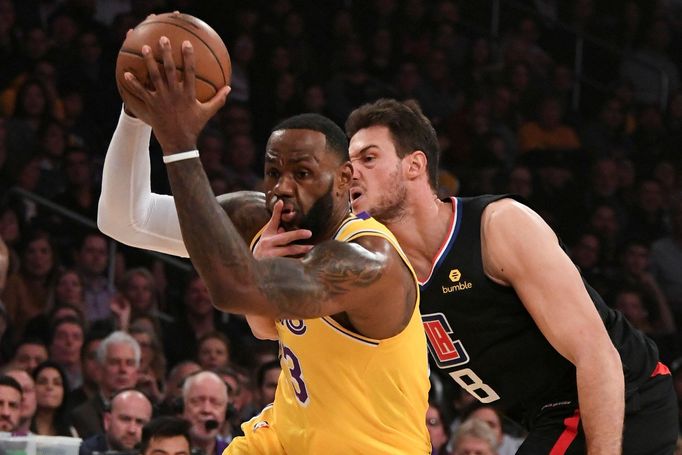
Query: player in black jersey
x=506, y=312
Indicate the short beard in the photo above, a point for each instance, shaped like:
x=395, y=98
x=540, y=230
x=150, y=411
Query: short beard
x=319, y=216
x=391, y=206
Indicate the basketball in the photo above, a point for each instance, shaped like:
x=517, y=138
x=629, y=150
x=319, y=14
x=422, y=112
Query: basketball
x=213, y=67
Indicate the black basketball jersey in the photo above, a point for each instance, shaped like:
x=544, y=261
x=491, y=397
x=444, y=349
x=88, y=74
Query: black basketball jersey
x=481, y=335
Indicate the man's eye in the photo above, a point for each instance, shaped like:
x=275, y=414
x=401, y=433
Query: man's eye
x=302, y=174
x=272, y=173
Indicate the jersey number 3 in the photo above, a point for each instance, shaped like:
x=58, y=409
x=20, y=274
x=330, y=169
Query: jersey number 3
x=450, y=353
x=296, y=375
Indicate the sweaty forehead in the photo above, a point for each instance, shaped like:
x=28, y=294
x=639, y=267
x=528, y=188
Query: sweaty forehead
x=296, y=145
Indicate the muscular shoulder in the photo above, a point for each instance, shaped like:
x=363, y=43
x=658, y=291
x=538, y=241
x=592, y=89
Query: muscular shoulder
x=247, y=210
x=510, y=230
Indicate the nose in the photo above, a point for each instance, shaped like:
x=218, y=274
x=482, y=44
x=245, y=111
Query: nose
x=285, y=186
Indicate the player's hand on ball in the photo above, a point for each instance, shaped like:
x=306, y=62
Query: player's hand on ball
x=170, y=105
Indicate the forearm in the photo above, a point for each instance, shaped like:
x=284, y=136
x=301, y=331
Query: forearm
x=214, y=244
x=128, y=211
x=601, y=399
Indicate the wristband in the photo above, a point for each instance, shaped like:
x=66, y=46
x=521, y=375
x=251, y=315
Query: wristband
x=180, y=156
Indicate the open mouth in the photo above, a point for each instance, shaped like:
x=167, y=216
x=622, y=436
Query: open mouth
x=355, y=194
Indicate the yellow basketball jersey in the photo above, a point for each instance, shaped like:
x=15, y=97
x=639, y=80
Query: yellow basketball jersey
x=341, y=392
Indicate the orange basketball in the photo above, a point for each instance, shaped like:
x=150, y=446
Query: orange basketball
x=213, y=67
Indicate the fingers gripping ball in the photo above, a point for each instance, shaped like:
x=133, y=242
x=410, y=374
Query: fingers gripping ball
x=213, y=67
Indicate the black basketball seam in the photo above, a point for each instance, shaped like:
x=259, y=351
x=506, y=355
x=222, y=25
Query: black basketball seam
x=222, y=70
x=160, y=62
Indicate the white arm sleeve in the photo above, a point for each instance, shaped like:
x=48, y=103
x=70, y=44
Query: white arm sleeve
x=128, y=211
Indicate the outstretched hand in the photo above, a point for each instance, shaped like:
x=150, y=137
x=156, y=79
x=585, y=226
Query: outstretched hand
x=171, y=107
x=276, y=242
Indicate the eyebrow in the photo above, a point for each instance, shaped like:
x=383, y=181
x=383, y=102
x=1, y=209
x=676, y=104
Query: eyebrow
x=366, y=148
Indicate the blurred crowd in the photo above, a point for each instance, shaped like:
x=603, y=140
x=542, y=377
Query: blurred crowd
x=597, y=154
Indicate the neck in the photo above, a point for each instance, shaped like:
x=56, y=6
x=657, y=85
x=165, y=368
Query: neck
x=44, y=421
x=206, y=445
x=24, y=426
x=422, y=229
x=201, y=323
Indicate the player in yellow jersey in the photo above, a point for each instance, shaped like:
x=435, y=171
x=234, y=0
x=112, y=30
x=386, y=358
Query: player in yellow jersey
x=353, y=352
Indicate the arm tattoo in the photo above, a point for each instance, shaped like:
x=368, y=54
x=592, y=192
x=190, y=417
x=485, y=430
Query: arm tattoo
x=331, y=270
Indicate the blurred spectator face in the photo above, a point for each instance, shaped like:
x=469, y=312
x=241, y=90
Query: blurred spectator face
x=34, y=101
x=9, y=226
x=236, y=120
x=205, y=399
x=130, y=411
x=54, y=140
x=521, y=181
x=666, y=175
x=563, y=78
x=436, y=427
x=77, y=166
x=650, y=120
x=675, y=106
x=408, y=78
x=49, y=389
x=285, y=87
x=480, y=52
x=177, y=376
x=520, y=77
x=64, y=29
x=636, y=259
x=93, y=255
x=7, y=16
x=67, y=343
x=490, y=417
x=243, y=50
x=90, y=49
x=605, y=178
x=280, y=61
x=29, y=175
x=10, y=408
x=213, y=353
x=659, y=35
x=470, y=445
x=632, y=307
x=269, y=387
x=212, y=151
x=140, y=293
x=28, y=356
x=38, y=258
x=69, y=289
x=197, y=300
x=626, y=173
x=120, y=369
x=604, y=221
x=242, y=153
x=585, y=253
x=91, y=368
x=73, y=104
x=146, y=349
x=28, y=396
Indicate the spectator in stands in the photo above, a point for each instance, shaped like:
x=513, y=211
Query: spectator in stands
x=666, y=259
x=175, y=379
x=119, y=357
x=647, y=217
x=10, y=404
x=438, y=430
x=152, y=369
x=52, y=397
x=128, y=412
x=607, y=131
x=92, y=260
x=26, y=293
x=139, y=289
x=166, y=435
x=28, y=399
x=267, y=376
x=548, y=132
x=213, y=351
x=90, y=369
x=81, y=194
x=205, y=398
x=29, y=353
x=66, y=341
x=505, y=443
x=474, y=437
x=68, y=290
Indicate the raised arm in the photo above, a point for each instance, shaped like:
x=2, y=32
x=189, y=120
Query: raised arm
x=334, y=277
x=522, y=251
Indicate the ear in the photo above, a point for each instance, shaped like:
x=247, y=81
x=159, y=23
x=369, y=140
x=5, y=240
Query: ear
x=107, y=420
x=415, y=165
x=344, y=177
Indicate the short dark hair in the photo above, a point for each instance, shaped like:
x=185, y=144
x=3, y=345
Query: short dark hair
x=263, y=369
x=164, y=427
x=9, y=381
x=410, y=128
x=337, y=141
x=65, y=320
